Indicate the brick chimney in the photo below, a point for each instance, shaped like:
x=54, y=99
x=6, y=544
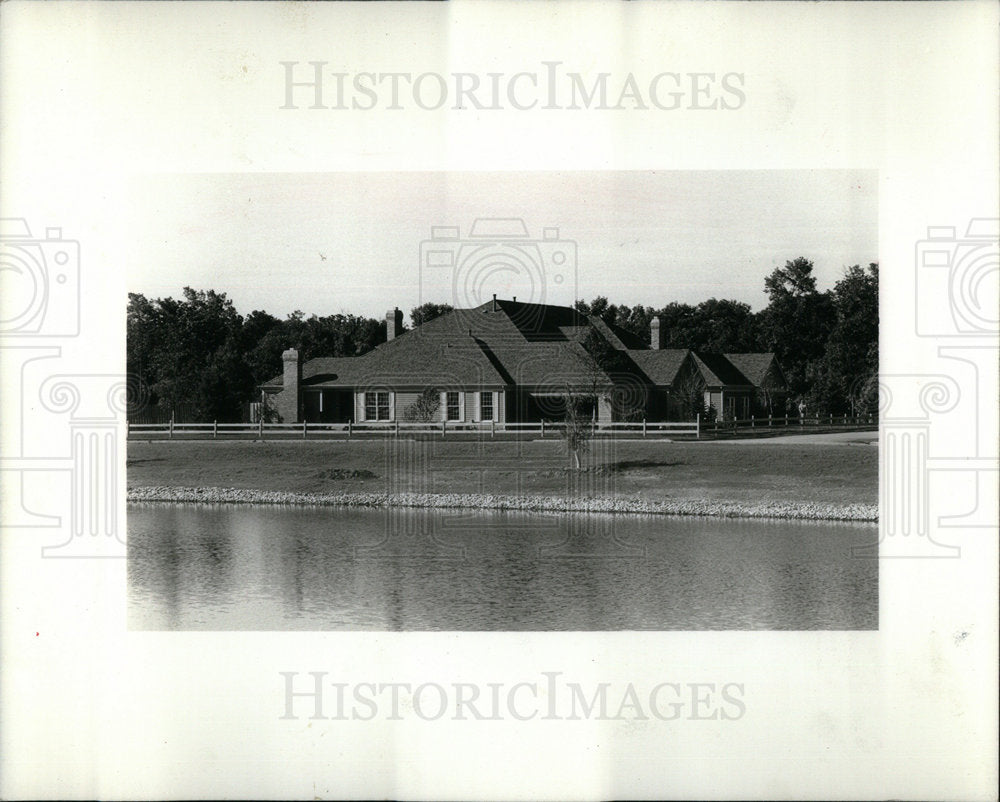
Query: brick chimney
x=393, y=324
x=288, y=401
x=655, y=333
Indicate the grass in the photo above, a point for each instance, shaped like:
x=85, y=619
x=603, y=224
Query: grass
x=757, y=472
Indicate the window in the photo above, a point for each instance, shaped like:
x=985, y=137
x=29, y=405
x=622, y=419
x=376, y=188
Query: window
x=453, y=409
x=486, y=406
x=377, y=406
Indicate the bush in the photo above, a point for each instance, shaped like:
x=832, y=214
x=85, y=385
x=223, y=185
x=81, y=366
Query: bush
x=424, y=408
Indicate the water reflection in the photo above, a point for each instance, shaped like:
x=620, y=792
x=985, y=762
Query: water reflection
x=269, y=568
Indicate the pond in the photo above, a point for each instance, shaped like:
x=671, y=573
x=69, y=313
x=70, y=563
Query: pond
x=267, y=568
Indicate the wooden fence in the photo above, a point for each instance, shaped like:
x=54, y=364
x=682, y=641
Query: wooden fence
x=285, y=431
x=753, y=424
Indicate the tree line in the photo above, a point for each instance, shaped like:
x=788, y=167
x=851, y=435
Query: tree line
x=197, y=353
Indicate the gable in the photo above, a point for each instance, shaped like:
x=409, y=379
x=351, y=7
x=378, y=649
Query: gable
x=660, y=366
x=718, y=371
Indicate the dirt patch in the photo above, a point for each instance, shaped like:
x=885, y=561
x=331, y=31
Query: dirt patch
x=338, y=474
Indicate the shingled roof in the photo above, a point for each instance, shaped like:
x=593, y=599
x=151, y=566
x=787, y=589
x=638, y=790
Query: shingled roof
x=505, y=343
x=718, y=371
x=753, y=366
x=660, y=366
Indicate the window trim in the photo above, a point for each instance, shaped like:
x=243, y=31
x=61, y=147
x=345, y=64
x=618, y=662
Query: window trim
x=460, y=404
x=389, y=405
x=479, y=405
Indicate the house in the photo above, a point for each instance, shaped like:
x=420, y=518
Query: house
x=510, y=362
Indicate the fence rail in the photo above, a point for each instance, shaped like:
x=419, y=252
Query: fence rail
x=770, y=422
x=693, y=429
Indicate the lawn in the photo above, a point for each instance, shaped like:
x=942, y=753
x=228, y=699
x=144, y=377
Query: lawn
x=761, y=471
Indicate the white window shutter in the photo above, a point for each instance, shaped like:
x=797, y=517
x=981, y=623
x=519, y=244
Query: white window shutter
x=444, y=406
x=476, y=410
x=392, y=405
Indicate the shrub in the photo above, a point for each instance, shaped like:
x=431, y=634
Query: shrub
x=424, y=408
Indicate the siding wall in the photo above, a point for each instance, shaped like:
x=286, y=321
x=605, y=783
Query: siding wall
x=403, y=400
x=737, y=402
x=399, y=401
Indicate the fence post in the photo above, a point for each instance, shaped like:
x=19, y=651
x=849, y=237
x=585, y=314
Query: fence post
x=215, y=429
x=831, y=419
x=697, y=426
x=753, y=423
x=171, y=430
x=260, y=428
x=305, y=428
x=350, y=427
x=444, y=427
x=770, y=422
x=643, y=427
x=397, y=427
x=543, y=427
x=493, y=429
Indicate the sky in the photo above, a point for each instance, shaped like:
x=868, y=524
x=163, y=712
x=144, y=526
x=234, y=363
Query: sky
x=363, y=243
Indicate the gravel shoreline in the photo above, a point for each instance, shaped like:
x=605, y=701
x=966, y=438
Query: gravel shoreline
x=814, y=511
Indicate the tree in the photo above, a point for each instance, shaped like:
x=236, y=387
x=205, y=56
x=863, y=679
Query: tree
x=189, y=352
x=846, y=377
x=796, y=323
x=794, y=280
x=333, y=335
x=140, y=352
x=578, y=427
x=199, y=354
x=679, y=326
x=428, y=311
x=635, y=320
x=725, y=326
x=601, y=364
x=689, y=390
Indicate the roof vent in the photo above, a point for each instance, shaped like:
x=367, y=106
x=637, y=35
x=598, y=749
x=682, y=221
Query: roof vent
x=494, y=302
